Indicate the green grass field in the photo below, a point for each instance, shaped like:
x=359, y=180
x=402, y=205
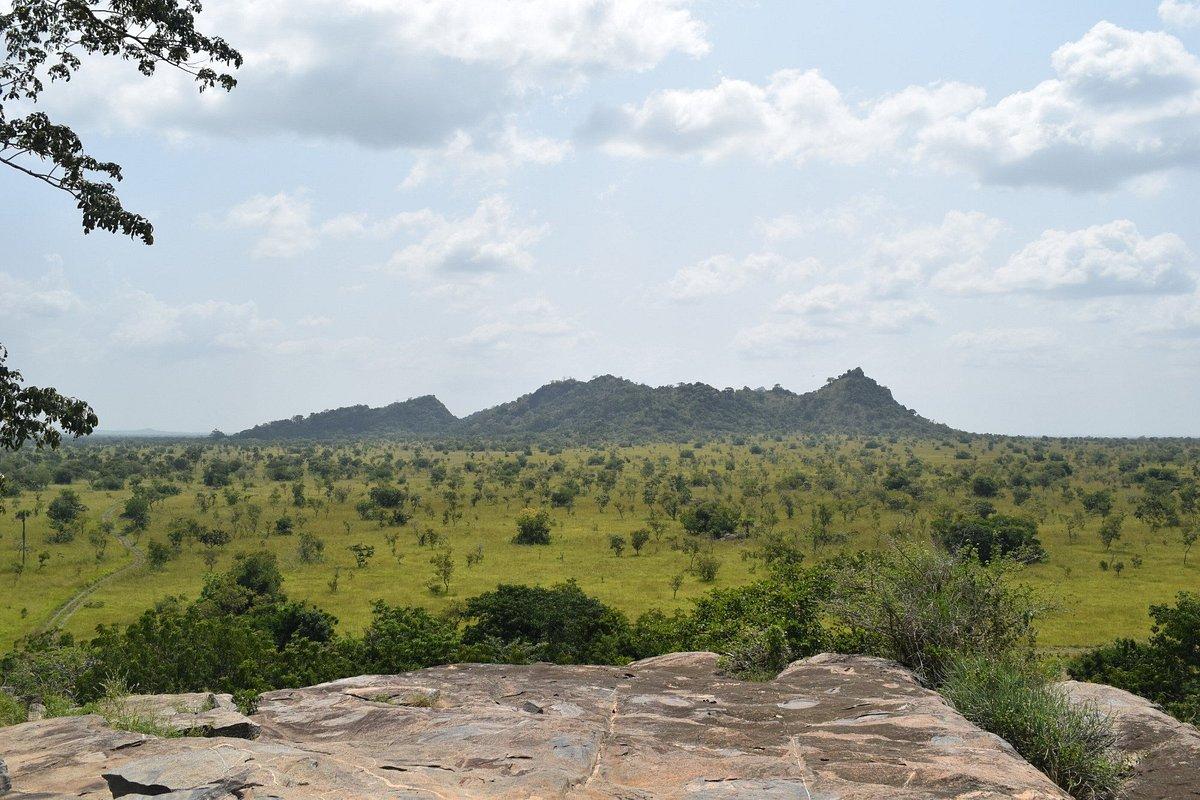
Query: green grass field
x=1092, y=605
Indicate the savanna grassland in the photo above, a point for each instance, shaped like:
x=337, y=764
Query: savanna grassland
x=355, y=522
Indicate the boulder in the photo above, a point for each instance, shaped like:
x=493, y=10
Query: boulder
x=1164, y=752
x=828, y=727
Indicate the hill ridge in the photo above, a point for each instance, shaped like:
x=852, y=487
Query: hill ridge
x=611, y=408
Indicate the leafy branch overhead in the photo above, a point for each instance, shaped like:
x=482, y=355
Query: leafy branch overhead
x=38, y=415
x=46, y=40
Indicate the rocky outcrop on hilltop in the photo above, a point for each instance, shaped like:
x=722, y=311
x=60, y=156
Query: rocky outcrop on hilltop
x=844, y=727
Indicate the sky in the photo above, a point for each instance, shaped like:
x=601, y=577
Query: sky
x=991, y=208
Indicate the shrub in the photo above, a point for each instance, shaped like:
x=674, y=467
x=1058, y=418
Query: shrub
x=720, y=616
x=757, y=654
x=567, y=625
x=533, y=527
x=707, y=567
x=403, y=638
x=12, y=710
x=923, y=607
x=994, y=537
x=710, y=518
x=1072, y=743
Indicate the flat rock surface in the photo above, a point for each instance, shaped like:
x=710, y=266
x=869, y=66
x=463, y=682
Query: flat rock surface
x=828, y=728
x=1165, y=751
x=195, y=714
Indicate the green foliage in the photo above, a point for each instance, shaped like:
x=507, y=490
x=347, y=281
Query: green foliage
x=793, y=606
x=1072, y=743
x=402, y=638
x=38, y=415
x=995, y=537
x=924, y=607
x=49, y=41
x=711, y=518
x=757, y=654
x=564, y=624
x=533, y=527
x=12, y=710
x=1165, y=668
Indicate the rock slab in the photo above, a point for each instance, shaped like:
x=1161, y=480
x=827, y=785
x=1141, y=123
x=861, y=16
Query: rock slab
x=1165, y=752
x=827, y=728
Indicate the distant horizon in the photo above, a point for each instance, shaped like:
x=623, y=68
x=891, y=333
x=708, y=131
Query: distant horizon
x=154, y=432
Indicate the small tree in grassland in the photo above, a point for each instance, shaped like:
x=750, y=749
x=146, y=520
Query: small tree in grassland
x=617, y=543
x=533, y=527
x=443, y=567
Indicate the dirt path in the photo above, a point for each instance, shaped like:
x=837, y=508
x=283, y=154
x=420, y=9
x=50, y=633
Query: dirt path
x=67, y=610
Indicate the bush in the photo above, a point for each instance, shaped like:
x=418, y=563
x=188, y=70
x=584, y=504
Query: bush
x=1072, y=743
x=720, y=617
x=757, y=654
x=568, y=626
x=12, y=710
x=994, y=537
x=533, y=527
x=923, y=607
x=710, y=518
x=402, y=638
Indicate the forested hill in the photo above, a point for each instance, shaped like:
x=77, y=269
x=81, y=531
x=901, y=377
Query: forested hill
x=608, y=408
x=416, y=417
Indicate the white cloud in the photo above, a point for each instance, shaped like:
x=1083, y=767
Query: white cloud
x=797, y=116
x=1020, y=347
x=721, y=274
x=48, y=296
x=285, y=219
x=491, y=240
x=842, y=219
x=831, y=311
x=533, y=320
x=1123, y=106
x=146, y=323
x=487, y=156
x=388, y=74
x=1179, y=13
x=958, y=244
x=1007, y=340
x=1110, y=259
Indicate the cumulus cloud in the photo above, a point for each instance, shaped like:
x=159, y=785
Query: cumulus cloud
x=386, y=74
x=286, y=222
x=1110, y=259
x=491, y=240
x=831, y=311
x=48, y=296
x=797, y=116
x=532, y=320
x=1179, y=13
x=485, y=155
x=148, y=323
x=958, y=244
x=1122, y=105
x=722, y=274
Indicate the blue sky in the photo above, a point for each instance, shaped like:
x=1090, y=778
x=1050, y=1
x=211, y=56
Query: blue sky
x=990, y=207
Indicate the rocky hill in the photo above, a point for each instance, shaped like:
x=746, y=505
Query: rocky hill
x=415, y=417
x=845, y=727
x=609, y=408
